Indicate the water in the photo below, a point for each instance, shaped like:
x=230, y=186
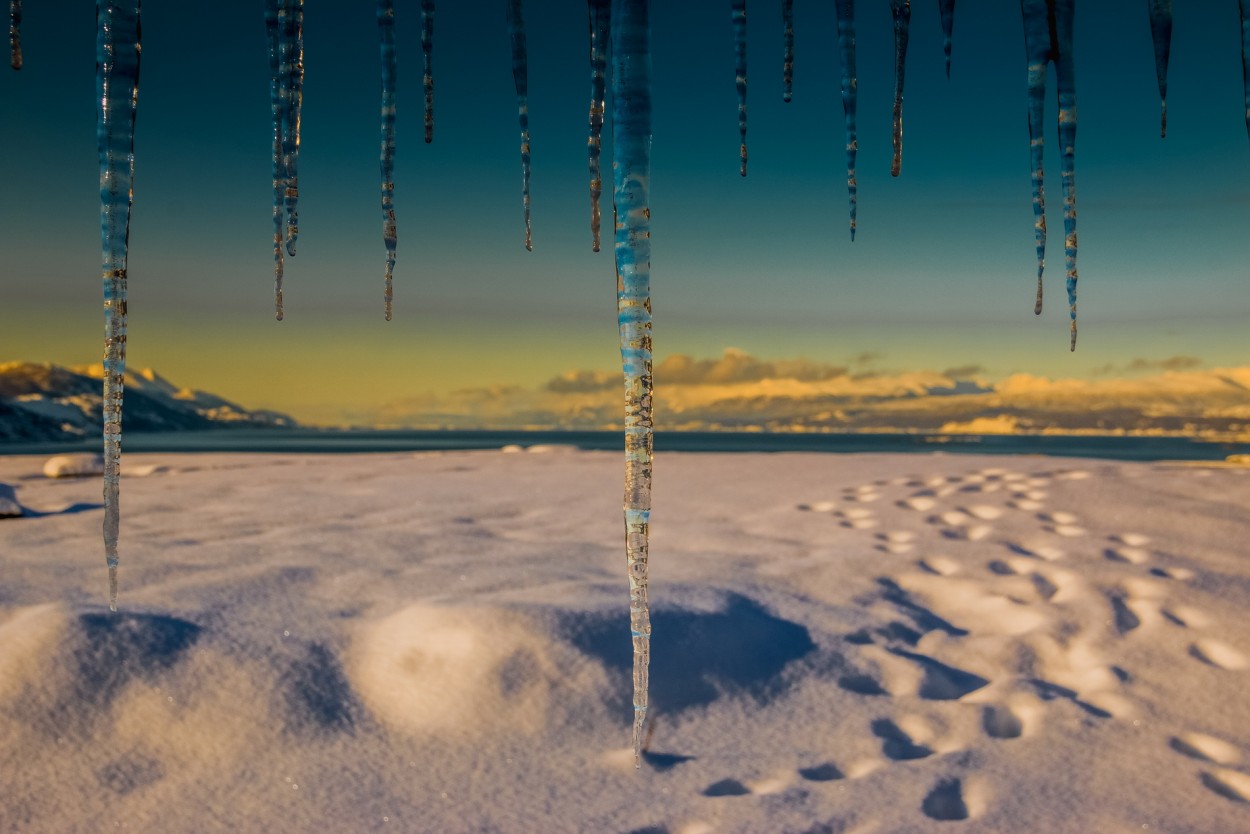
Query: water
x=314, y=441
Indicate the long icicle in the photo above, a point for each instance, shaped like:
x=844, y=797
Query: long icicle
x=427, y=56
x=117, y=85
x=600, y=12
x=846, y=53
x=739, y=17
x=901, y=11
x=631, y=166
x=520, y=76
x=292, y=25
x=787, y=36
x=1062, y=12
x=1245, y=57
x=15, y=34
x=1048, y=38
x=1161, y=33
x=947, y=10
x=386, y=34
x=277, y=106
x=1038, y=54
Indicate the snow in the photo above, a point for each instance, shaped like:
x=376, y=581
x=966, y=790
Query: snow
x=74, y=466
x=412, y=642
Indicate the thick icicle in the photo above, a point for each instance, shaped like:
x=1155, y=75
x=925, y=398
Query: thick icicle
x=1161, y=32
x=291, y=24
x=1245, y=56
x=1047, y=38
x=15, y=34
x=600, y=15
x=117, y=84
x=427, y=56
x=520, y=76
x=739, y=16
x=846, y=52
x=631, y=166
x=277, y=105
x=947, y=9
x=901, y=11
x=787, y=66
x=386, y=33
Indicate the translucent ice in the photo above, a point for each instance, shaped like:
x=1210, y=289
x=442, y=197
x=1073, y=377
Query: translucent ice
x=1161, y=33
x=787, y=67
x=600, y=15
x=117, y=79
x=901, y=12
x=846, y=53
x=739, y=17
x=631, y=166
x=1047, y=39
x=386, y=33
x=520, y=76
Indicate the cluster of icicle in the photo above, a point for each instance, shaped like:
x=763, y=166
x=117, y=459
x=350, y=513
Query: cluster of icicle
x=624, y=23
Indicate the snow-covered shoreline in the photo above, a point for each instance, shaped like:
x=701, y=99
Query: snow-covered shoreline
x=439, y=642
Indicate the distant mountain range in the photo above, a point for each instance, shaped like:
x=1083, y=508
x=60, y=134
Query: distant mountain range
x=44, y=402
x=735, y=392
x=738, y=392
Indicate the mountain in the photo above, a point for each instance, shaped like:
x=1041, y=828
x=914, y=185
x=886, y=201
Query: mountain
x=45, y=402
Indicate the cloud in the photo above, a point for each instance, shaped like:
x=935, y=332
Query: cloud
x=1142, y=365
x=866, y=358
x=740, y=391
x=736, y=366
x=572, y=382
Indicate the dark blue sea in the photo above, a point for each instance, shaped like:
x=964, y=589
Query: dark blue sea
x=338, y=441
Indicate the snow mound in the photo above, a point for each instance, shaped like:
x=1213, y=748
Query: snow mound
x=463, y=670
x=9, y=505
x=74, y=466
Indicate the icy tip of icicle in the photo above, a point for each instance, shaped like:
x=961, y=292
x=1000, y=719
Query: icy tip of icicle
x=1163, y=120
x=1037, y=304
x=1072, y=343
x=113, y=588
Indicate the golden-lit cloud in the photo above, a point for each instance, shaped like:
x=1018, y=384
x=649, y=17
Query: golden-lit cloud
x=737, y=391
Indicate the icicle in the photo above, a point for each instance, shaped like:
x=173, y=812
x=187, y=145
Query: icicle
x=15, y=34
x=947, y=10
x=846, y=52
x=386, y=32
x=739, y=15
x=1038, y=53
x=1047, y=38
x=117, y=80
x=1161, y=32
x=600, y=15
x=1245, y=56
x=427, y=53
x=631, y=164
x=901, y=10
x=787, y=67
x=277, y=105
x=291, y=23
x=516, y=30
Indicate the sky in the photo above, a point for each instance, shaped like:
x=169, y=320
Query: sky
x=941, y=274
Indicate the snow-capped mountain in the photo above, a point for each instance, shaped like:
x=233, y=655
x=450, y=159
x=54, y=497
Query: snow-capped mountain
x=41, y=402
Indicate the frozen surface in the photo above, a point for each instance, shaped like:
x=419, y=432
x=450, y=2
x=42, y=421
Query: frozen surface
x=411, y=642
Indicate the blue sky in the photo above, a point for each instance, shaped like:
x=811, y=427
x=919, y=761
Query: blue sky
x=940, y=275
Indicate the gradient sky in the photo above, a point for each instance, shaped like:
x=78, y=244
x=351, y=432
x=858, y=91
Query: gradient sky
x=941, y=273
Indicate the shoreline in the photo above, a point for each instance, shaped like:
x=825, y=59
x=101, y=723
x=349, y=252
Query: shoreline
x=1146, y=447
